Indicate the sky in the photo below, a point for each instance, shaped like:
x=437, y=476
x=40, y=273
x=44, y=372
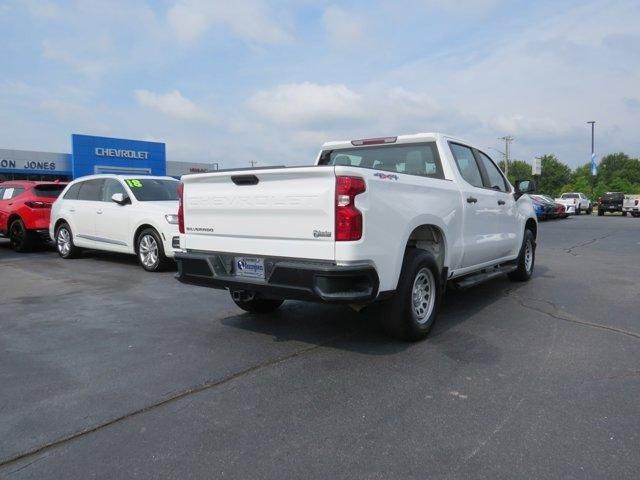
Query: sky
x=243, y=81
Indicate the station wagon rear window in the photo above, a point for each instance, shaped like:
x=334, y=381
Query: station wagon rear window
x=419, y=159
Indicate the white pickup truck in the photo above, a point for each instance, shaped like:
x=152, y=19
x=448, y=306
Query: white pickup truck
x=576, y=200
x=386, y=219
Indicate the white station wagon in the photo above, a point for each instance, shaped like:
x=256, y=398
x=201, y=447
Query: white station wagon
x=116, y=213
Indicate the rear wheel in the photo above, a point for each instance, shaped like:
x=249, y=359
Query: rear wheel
x=410, y=314
x=526, y=258
x=64, y=242
x=624, y=214
x=589, y=210
x=600, y=212
x=20, y=239
x=635, y=214
x=252, y=303
x=151, y=252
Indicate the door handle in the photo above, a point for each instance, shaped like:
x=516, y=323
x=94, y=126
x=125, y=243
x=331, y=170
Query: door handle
x=501, y=202
x=99, y=212
x=72, y=209
x=471, y=200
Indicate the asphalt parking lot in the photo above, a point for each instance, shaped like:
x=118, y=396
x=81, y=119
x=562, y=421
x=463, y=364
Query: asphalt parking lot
x=107, y=371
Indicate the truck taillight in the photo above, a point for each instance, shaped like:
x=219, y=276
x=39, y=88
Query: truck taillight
x=180, y=208
x=348, y=217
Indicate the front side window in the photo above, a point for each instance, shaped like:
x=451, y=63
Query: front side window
x=110, y=187
x=467, y=164
x=496, y=180
x=91, y=190
x=419, y=159
x=153, y=189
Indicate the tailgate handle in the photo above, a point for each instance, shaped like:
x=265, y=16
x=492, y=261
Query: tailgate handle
x=244, y=179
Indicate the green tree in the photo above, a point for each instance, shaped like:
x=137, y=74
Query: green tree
x=555, y=176
x=518, y=170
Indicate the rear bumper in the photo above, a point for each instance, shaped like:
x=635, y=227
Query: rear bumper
x=284, y=278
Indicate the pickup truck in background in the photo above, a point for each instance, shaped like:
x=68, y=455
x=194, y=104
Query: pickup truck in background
x=631, y=204
x=385, y=219
x=611, y=202
x=578, y=201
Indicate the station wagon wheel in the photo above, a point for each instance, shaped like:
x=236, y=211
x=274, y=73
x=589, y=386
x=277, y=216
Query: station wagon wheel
x=19, y=237
x=64, y=242
x=150, y=251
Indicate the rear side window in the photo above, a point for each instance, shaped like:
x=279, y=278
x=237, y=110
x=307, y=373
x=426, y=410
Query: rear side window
x=91, y=190
x=48, y=191
x=72, y=193
x=467, y=164
x=496, y=180
x=420, y=159
x=11, y=192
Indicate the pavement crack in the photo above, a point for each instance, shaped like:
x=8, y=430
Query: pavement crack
x=584, y=244
x=566, y=317
x=178, y=396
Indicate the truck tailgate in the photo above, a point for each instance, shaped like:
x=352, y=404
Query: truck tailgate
x=288, y=210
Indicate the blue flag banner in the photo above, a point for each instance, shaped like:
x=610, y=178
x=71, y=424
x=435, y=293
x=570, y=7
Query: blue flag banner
x=594, y=167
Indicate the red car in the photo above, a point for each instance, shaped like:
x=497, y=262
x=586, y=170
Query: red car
x=25, y=208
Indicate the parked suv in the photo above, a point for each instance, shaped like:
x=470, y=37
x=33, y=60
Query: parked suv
x=136, y=215
x=24, y=212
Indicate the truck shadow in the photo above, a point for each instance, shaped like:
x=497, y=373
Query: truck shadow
x=339, y=327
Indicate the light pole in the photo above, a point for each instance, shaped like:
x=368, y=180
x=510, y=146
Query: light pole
x=593, y=155
x=507, y=143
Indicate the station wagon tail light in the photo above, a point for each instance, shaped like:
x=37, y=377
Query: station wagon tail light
x=36, y=204
x=373, y=141
x=348, y=217
x=180, y=207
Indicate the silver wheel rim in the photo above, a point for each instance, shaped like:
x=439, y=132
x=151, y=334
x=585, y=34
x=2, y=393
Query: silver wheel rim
x=423, y=295
x=148, y=251
x=64, y=241
x=528, y=256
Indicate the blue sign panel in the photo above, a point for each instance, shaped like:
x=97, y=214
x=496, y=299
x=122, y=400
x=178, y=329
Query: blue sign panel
x=116, y=155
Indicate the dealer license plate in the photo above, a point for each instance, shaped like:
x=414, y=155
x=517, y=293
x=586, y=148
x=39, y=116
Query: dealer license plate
x=249, y=267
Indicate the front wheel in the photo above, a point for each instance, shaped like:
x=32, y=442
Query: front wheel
x=624, y=214
x=151, y=252
x=600, y=212
x=20, y=239
x=578, y=210
x=635, y=214
x=589, y=210
x=410, y=314
x=526, y=258
x=64, y=242
x=256, y=304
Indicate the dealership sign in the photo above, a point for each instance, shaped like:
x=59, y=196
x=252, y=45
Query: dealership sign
x=121, y=153
x=27, y=161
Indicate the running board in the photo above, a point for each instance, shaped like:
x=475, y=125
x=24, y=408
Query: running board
x=483, y=276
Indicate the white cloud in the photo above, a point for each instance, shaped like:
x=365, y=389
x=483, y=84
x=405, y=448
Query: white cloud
x=250, y=20
x=469, y=7
x=173, y=104
x=307, y=103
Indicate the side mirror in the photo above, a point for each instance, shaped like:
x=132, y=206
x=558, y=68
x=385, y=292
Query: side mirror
x=524, y=186
x=119, y=198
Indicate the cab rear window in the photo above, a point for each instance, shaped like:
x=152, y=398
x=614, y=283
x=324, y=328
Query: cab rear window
x=419, y=159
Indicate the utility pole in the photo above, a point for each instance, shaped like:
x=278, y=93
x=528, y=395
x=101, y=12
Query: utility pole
x=593, y=156
x=507, y=145
x=253, y=163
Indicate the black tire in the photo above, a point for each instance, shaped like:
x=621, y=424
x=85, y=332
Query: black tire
x=64, y=242
x=589, y=210
x=20, y=239
x=150, y=251
x=578, y=210
x=624, y=214
x=525, y=266
x=600, y=212
x=406, y=316
x=258, y=304
x=635, y=214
